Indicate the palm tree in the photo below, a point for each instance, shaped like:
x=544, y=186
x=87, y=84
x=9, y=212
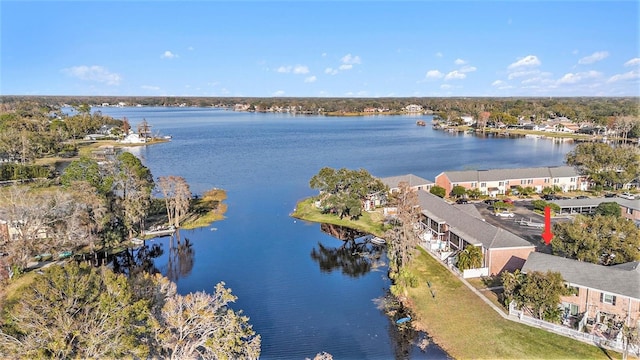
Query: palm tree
x=470, y=258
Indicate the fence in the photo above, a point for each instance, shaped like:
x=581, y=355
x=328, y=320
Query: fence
x=578, y=335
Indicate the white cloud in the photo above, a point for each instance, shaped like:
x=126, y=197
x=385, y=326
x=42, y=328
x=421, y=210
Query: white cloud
x=330, y=71
x=310, y=79
x=168, y=55
x=445, y=86
x=345, y=67
x=518, y=74
x=300, y=69
x=297, y=69
x=633, y=62
x=501, y=85
x=439, y=54
x=190, y=48
x=459, y=62
x=93, y=73
x=571, y=78
x=633, y=74
x=595, y=57
x=527, y=61
x=434, y=74
x=350, y=59
x=468, y=68
x=575, y=52
x=150, y=87
x=278, y=93
x=455, y=75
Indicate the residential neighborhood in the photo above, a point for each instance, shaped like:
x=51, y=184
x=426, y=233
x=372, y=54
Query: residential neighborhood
x=603, y=299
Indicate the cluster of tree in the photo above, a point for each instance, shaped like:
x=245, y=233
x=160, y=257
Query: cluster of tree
x=605, y=165
x=15, y=171
x=344, y=191
x=76, y=311
x=537, y=291
x=600, y=239
x=30, y=130
x=98, y=205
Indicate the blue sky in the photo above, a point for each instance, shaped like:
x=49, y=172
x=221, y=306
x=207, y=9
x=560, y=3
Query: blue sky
x=320, y=49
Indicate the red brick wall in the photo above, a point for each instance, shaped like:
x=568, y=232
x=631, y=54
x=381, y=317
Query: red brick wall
x=507, y=259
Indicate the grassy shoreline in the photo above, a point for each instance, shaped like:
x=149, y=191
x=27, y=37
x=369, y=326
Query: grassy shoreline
x=369, y=222
x=457, y=319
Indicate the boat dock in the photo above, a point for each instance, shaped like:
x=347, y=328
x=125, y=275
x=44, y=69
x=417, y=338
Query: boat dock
x=160, y=232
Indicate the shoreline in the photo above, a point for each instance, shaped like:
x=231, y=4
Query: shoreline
x=447, y=323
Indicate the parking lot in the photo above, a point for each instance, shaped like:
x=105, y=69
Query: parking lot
x=523, y=210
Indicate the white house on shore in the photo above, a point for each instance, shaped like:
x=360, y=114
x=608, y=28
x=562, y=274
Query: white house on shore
x=133, y=139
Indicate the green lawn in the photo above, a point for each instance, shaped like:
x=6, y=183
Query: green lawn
x=467, y=328
x=369, y=222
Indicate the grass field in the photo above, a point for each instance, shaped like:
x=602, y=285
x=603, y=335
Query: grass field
x=467, y=328
x=369, y=222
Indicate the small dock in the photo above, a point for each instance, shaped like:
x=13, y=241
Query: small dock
x=377, y=241
x=159, y=232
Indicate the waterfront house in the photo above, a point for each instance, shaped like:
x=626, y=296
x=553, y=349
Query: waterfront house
x=133, y=139
x=414, y=182
x=413, y=108
x=603, y=298
x=447, y=229
x=501, y=181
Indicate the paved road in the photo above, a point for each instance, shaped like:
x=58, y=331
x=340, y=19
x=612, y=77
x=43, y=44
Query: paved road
x=522, y=210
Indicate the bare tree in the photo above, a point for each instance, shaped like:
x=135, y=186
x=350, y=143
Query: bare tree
x=30, y=218
x=403, y=237
x=177, y=197
x=202, y=326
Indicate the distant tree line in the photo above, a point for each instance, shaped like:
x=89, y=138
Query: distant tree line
x=599, y=110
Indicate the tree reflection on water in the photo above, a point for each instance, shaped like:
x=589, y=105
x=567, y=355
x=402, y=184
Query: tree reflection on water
x=181, y=259
x=356, y=257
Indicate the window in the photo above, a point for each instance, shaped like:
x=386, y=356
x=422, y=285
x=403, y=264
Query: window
x=501, y=183
x=630, y=211
x=608, y=298
x=573, y=180
x=555, y=181
x=483, y=185
x=473, y=184
x=546, y=180
x=523, y=182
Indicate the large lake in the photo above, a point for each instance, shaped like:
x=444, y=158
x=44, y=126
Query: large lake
x=300, y=299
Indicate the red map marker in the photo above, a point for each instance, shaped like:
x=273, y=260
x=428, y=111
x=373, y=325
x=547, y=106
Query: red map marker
x=547, y=235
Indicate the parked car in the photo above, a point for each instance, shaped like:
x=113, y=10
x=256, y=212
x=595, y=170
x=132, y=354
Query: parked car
x=508, y=201
x=505, y=214
x=491, y=201
x=582, y=197
x=461, y=201
x=610, y=195
x=549, y=197
x=627, y=196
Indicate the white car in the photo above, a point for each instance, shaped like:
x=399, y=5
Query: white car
x=627, y=196
x=505, y=214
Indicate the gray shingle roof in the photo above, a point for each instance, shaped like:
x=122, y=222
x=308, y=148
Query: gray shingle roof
x=509, y=174
x=622, y=279
x=471, y=228
x=412, y=180
x=631, y=204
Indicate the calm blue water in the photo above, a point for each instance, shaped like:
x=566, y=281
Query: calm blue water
x=265, y=162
